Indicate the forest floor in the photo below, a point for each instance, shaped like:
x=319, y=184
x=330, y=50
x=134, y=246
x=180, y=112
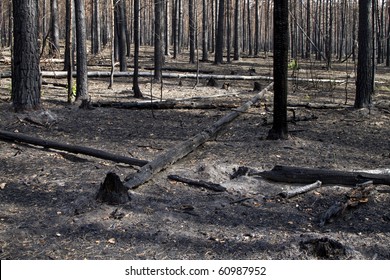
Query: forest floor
x=48, y=208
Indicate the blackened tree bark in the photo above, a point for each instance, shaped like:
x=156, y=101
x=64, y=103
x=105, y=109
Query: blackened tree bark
x=158, y=40
x=220, y=32
x=308, y=29
x=121, y=33
x=279, y=129
x=237, y=30
x=82, y=71
x=257, y=28
x=175, y=28
x=96, y=46
x=167, y=35
x=364, y=83
x=191, y=30
x=249, y=22
x=137, y=91
x=54, y=29
x=228, y=31
x=388, y=39
x=26, y=82
x=205, y=27
x=68, y=65
x=68, y=34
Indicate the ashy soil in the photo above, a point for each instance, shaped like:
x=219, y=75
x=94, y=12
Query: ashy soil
x=48, y=208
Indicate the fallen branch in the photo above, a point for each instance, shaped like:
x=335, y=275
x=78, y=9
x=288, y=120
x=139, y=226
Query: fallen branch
x=326, y=176
x=300, y=190
x=171, y=156
x=198, y=183
x=19, y=137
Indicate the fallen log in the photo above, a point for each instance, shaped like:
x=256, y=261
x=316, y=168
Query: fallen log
x=165, y=75
x=198, y=183
x=300, y=190
x=19, y=137
x=165, y=105
x=302, y=175
x=181, y=150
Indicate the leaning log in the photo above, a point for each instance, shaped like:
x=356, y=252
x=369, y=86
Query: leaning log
x=23, y=138
x=302, y=175
x=171, y=156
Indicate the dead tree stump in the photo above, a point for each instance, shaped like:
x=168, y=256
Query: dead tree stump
x=112, y=191
x=212, y=82
x=257, y=86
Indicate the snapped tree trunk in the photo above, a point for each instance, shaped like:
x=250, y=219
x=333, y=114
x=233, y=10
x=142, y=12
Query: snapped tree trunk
x=26, y=81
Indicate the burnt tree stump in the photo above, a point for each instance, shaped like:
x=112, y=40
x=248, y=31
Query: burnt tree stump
x=112, y=191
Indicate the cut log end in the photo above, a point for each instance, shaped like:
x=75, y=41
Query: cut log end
x=112, y=191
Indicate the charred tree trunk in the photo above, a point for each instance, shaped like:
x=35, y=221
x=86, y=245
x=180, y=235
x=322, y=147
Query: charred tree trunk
x=96, y=46
x=82, y=71
x=191, y=19
x=220, y=33
x=54, y=29
x=237, y=30
x=137, y=91
x=205, y=39
x=69, y=50
x=158, y=40
x=281, y=41
x=26, y=81
x=364, y=83
x=121, y=34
